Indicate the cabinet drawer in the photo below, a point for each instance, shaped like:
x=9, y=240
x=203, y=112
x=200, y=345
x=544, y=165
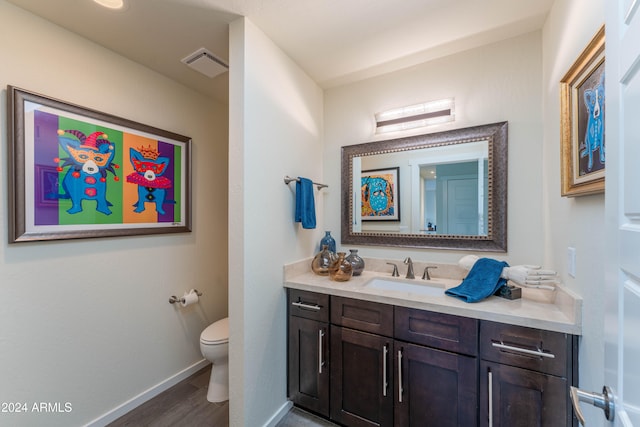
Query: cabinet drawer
x=364, y=316
x=529, y=348
x=309, y=305
x=437, y=330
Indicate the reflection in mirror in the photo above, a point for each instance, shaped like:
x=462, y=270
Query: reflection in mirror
x=445, y=190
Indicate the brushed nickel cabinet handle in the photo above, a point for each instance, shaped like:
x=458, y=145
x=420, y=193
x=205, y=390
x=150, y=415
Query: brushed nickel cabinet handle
x=306, y=306
x=490, y=375
x=320, y=361
x=536, y=352
x=400, y=390
x=385, y=384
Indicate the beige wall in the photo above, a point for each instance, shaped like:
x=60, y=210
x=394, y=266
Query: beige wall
x=275, y=113
x=575, y=222
x=88, y=322
x=493, y=83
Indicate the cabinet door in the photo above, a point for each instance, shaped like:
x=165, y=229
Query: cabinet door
x=516, y=397
x=434, y=387
x=308, y=364
x=361, y=378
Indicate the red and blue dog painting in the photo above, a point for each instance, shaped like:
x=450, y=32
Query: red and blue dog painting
x=79, y=169
x=81, y=173
x=148, y=176
x=90, y=159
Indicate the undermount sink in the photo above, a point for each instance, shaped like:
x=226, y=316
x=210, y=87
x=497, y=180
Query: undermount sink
x=423, y=287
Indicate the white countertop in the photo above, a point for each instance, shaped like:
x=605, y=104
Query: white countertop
x=559, y=310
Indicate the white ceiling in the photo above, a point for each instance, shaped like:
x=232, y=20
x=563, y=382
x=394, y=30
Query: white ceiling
x=334, y=41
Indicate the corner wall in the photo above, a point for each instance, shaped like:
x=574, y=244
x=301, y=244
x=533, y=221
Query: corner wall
x=87, y=321
x=577, y=222
x=275, y=122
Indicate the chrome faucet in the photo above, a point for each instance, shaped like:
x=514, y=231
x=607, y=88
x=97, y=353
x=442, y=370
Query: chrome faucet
x=410, y=274
x=425, y=275
x=395, y=270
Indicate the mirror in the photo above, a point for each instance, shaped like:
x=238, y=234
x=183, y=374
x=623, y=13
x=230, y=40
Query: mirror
x=443, y=190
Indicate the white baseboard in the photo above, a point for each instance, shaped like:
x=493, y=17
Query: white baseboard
x=280, y=413
x=138, y=400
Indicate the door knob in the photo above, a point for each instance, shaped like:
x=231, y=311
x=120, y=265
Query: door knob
x=603, y=401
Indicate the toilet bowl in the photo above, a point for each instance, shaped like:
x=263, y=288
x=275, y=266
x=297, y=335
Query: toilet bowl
x=214, y=345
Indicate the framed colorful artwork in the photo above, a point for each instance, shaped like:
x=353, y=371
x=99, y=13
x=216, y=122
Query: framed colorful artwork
x=582, y=112
x=380, y=194
x=79, y=173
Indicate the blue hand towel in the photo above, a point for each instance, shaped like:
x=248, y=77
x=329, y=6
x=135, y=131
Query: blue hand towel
x=482, y=281
x=305, y=205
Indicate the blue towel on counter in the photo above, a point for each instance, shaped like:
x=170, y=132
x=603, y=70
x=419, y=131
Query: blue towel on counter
x=305, y=205
x=482, y=281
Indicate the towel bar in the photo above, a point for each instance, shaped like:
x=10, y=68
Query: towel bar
x=288, y=179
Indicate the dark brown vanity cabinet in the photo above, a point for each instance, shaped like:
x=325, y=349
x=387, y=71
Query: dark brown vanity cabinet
x=364, y=364
x=395, y=366
x=361, y=362
x=308, y=352
x=437, y=369
x=525, y=374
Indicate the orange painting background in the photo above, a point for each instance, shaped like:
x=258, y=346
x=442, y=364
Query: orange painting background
x=130, y=191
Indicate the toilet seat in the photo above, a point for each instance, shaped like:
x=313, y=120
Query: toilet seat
x=216, y=333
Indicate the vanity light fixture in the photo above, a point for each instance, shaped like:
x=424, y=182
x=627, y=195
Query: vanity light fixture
x=416, y=116
x=111, y=4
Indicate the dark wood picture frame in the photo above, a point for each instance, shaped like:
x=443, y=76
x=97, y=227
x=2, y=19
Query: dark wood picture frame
x=79, y=173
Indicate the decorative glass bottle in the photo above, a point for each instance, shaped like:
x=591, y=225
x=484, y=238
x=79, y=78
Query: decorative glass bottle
x=340, y=270
x=357, y=263
x=329, y=241
x=322, y=261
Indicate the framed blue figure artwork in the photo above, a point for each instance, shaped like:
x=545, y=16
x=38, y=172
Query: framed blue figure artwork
x=380, y=194
x=79, y=173
x=582, y=109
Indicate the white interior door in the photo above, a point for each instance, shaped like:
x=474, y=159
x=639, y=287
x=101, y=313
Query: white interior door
x=622, y=116
x=621, y=397
x=622, y=352
x=462, y=206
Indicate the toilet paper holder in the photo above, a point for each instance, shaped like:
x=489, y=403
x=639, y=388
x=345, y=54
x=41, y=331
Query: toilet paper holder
x=174, y=299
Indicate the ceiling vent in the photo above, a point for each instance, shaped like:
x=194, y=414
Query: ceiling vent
x=206, y=63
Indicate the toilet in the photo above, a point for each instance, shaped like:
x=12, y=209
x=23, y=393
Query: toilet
x=214, y=345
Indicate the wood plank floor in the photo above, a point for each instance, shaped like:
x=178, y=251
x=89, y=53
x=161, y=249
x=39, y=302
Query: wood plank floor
x=185, y=405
